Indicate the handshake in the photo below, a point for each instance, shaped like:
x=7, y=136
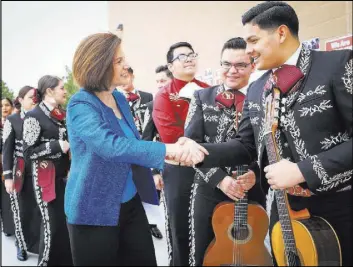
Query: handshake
x=186, y=151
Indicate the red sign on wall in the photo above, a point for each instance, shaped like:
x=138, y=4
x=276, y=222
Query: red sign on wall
x=339, y=43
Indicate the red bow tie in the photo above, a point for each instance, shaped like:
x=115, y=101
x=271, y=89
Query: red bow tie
x=132, y=97
x=286, y=76
x=58, y=113
x=228, y=99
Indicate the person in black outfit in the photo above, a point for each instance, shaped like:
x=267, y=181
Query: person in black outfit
x=18, y=178
x=45, y=143
x=314, y=137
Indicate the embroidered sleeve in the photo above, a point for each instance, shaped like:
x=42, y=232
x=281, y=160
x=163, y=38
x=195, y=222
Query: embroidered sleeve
x=33, y=148
x=8, y=149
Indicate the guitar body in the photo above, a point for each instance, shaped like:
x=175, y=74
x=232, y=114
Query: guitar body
x=252, y=250
x=316, y=241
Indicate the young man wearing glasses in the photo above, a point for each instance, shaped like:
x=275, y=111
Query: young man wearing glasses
x=213, y=117
x=170, y=109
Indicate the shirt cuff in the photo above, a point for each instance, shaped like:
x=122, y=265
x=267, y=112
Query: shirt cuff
x=61, y=143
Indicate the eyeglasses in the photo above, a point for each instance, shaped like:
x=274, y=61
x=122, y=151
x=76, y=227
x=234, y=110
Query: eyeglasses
x=238, y=66
x=183, y=57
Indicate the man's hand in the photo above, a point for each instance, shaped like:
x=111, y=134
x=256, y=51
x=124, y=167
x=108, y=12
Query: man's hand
x=66, y=146
x=230, y=187
x=186, y=151
x=9, y=185
x=283, y=174
x=158, y=181
x=246, y=181
x=195, y=153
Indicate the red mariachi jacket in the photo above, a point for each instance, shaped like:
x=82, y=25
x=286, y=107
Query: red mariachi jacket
x=170, y=111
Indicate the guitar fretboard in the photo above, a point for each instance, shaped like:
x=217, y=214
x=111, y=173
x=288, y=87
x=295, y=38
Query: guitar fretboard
x=281, y=201
x=241, y=206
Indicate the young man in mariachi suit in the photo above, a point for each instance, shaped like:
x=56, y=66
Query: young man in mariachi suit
x=169, y=113
x=314, y=138
x=214, y=115
x=137, y=100
x=150, y=133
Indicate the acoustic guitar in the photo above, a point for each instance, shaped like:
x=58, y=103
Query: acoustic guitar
x=298, y=239
x=240, y=229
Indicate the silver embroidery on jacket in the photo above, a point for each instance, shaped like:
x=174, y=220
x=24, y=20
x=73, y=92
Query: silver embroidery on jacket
x=334, y=140
x=324, y=105
x=319, y=90
x=253, y=105
x=42, y=153
x=146, y=119
x=6, y=131
x=254, y=121
x=191, y=112
x=206, y=177
x=211, y=118
x=347, y=77
x=205, y=107
x=31, y=130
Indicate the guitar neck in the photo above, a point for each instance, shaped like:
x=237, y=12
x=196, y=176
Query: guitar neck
x=241, y=206
x=281, y=199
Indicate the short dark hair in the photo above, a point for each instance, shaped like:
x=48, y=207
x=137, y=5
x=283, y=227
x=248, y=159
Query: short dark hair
x=164, y=68
x=92, y=65
x=47, y=81
x=234, y=43
x=175, y=46
x=272, y=14
x=24, y=90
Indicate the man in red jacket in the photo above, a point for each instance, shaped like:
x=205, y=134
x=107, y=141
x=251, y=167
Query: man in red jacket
x=170, y=109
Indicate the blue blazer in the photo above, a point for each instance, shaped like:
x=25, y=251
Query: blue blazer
x=101, y=157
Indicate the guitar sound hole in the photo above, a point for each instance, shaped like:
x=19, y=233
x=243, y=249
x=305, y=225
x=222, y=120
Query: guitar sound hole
x=240, y=234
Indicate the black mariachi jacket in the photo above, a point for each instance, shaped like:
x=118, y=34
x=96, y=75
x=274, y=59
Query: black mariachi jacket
x=41, y=135
x=316, y=122
x=13, y=144
x=206, y=122
x=149, y=129
x=150, y=132
x=138, y=109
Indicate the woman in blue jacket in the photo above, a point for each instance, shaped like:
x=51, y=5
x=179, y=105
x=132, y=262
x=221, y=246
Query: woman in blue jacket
x=110, y=166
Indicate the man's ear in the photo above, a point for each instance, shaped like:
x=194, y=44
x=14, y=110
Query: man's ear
x=283, y=32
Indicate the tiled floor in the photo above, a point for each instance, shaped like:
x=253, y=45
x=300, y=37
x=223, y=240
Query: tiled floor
x=8, y=257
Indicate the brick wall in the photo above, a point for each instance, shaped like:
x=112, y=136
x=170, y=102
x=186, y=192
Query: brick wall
x=151, y=27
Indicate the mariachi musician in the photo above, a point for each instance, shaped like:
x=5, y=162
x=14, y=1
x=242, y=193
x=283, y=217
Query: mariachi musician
x=45, y=144
x=170, y=109
x=18, y=178
x=213, y=117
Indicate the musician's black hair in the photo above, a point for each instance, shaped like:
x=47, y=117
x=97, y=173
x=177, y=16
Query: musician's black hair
x=170, y=53
x=272, y=14
x=164, y=68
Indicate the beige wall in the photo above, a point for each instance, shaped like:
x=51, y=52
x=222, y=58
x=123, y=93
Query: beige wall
x=151, y=27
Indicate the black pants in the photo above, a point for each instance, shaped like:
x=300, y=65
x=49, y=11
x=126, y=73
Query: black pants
x=335, y=208
x=54, y=246
x=8, y=225
x=127, y=244
x=30, y=216
x=177, y=189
